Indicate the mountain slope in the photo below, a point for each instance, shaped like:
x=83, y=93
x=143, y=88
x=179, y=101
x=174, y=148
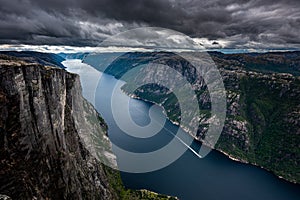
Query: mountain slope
x=45, y=145
x=263, y=110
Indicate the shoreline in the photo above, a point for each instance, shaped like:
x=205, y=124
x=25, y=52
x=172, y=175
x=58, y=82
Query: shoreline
x=155, y=193
x=219, y=150
x=256, y=165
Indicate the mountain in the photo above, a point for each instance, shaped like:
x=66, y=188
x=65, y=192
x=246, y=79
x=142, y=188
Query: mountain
x=272, y=62
x=49, y=59
x=73, y=55
x=52, y=140
x=262, y=121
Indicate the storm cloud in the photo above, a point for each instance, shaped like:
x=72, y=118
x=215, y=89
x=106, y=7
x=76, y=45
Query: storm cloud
x=251, y=24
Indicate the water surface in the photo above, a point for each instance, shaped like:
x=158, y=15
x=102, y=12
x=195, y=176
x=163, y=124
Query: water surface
x=189, y=177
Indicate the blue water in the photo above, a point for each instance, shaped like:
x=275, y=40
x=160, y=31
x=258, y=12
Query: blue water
x=189, y=177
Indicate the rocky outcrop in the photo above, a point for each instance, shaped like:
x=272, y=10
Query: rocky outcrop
x=42, y=122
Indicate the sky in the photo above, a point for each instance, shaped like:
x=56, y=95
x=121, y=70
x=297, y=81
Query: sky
x=214, y=24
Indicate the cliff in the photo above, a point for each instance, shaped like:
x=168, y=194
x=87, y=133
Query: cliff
x=50, y=137
x=42, y=155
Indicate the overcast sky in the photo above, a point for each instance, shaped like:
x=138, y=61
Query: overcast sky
x=241, y=24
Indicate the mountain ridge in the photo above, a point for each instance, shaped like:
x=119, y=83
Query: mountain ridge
x=262, y=108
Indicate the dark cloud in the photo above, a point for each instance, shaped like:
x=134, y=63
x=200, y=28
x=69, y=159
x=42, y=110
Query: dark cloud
x=232, y=23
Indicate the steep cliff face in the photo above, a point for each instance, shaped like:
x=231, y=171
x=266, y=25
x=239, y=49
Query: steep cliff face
x=42, y=120
x=53, y=143
x=262, y=122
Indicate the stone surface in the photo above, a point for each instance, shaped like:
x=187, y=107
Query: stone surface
x=44, y=122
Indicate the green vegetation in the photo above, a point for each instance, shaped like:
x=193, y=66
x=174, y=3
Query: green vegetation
x=115, y=182
x=274, y=142
x=262, y=124
x=265, y=105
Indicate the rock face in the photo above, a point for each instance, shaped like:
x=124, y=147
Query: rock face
x=44, y=153
x=262, y=121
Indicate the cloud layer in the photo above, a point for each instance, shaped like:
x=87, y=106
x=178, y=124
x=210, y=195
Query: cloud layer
x=251, y=24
